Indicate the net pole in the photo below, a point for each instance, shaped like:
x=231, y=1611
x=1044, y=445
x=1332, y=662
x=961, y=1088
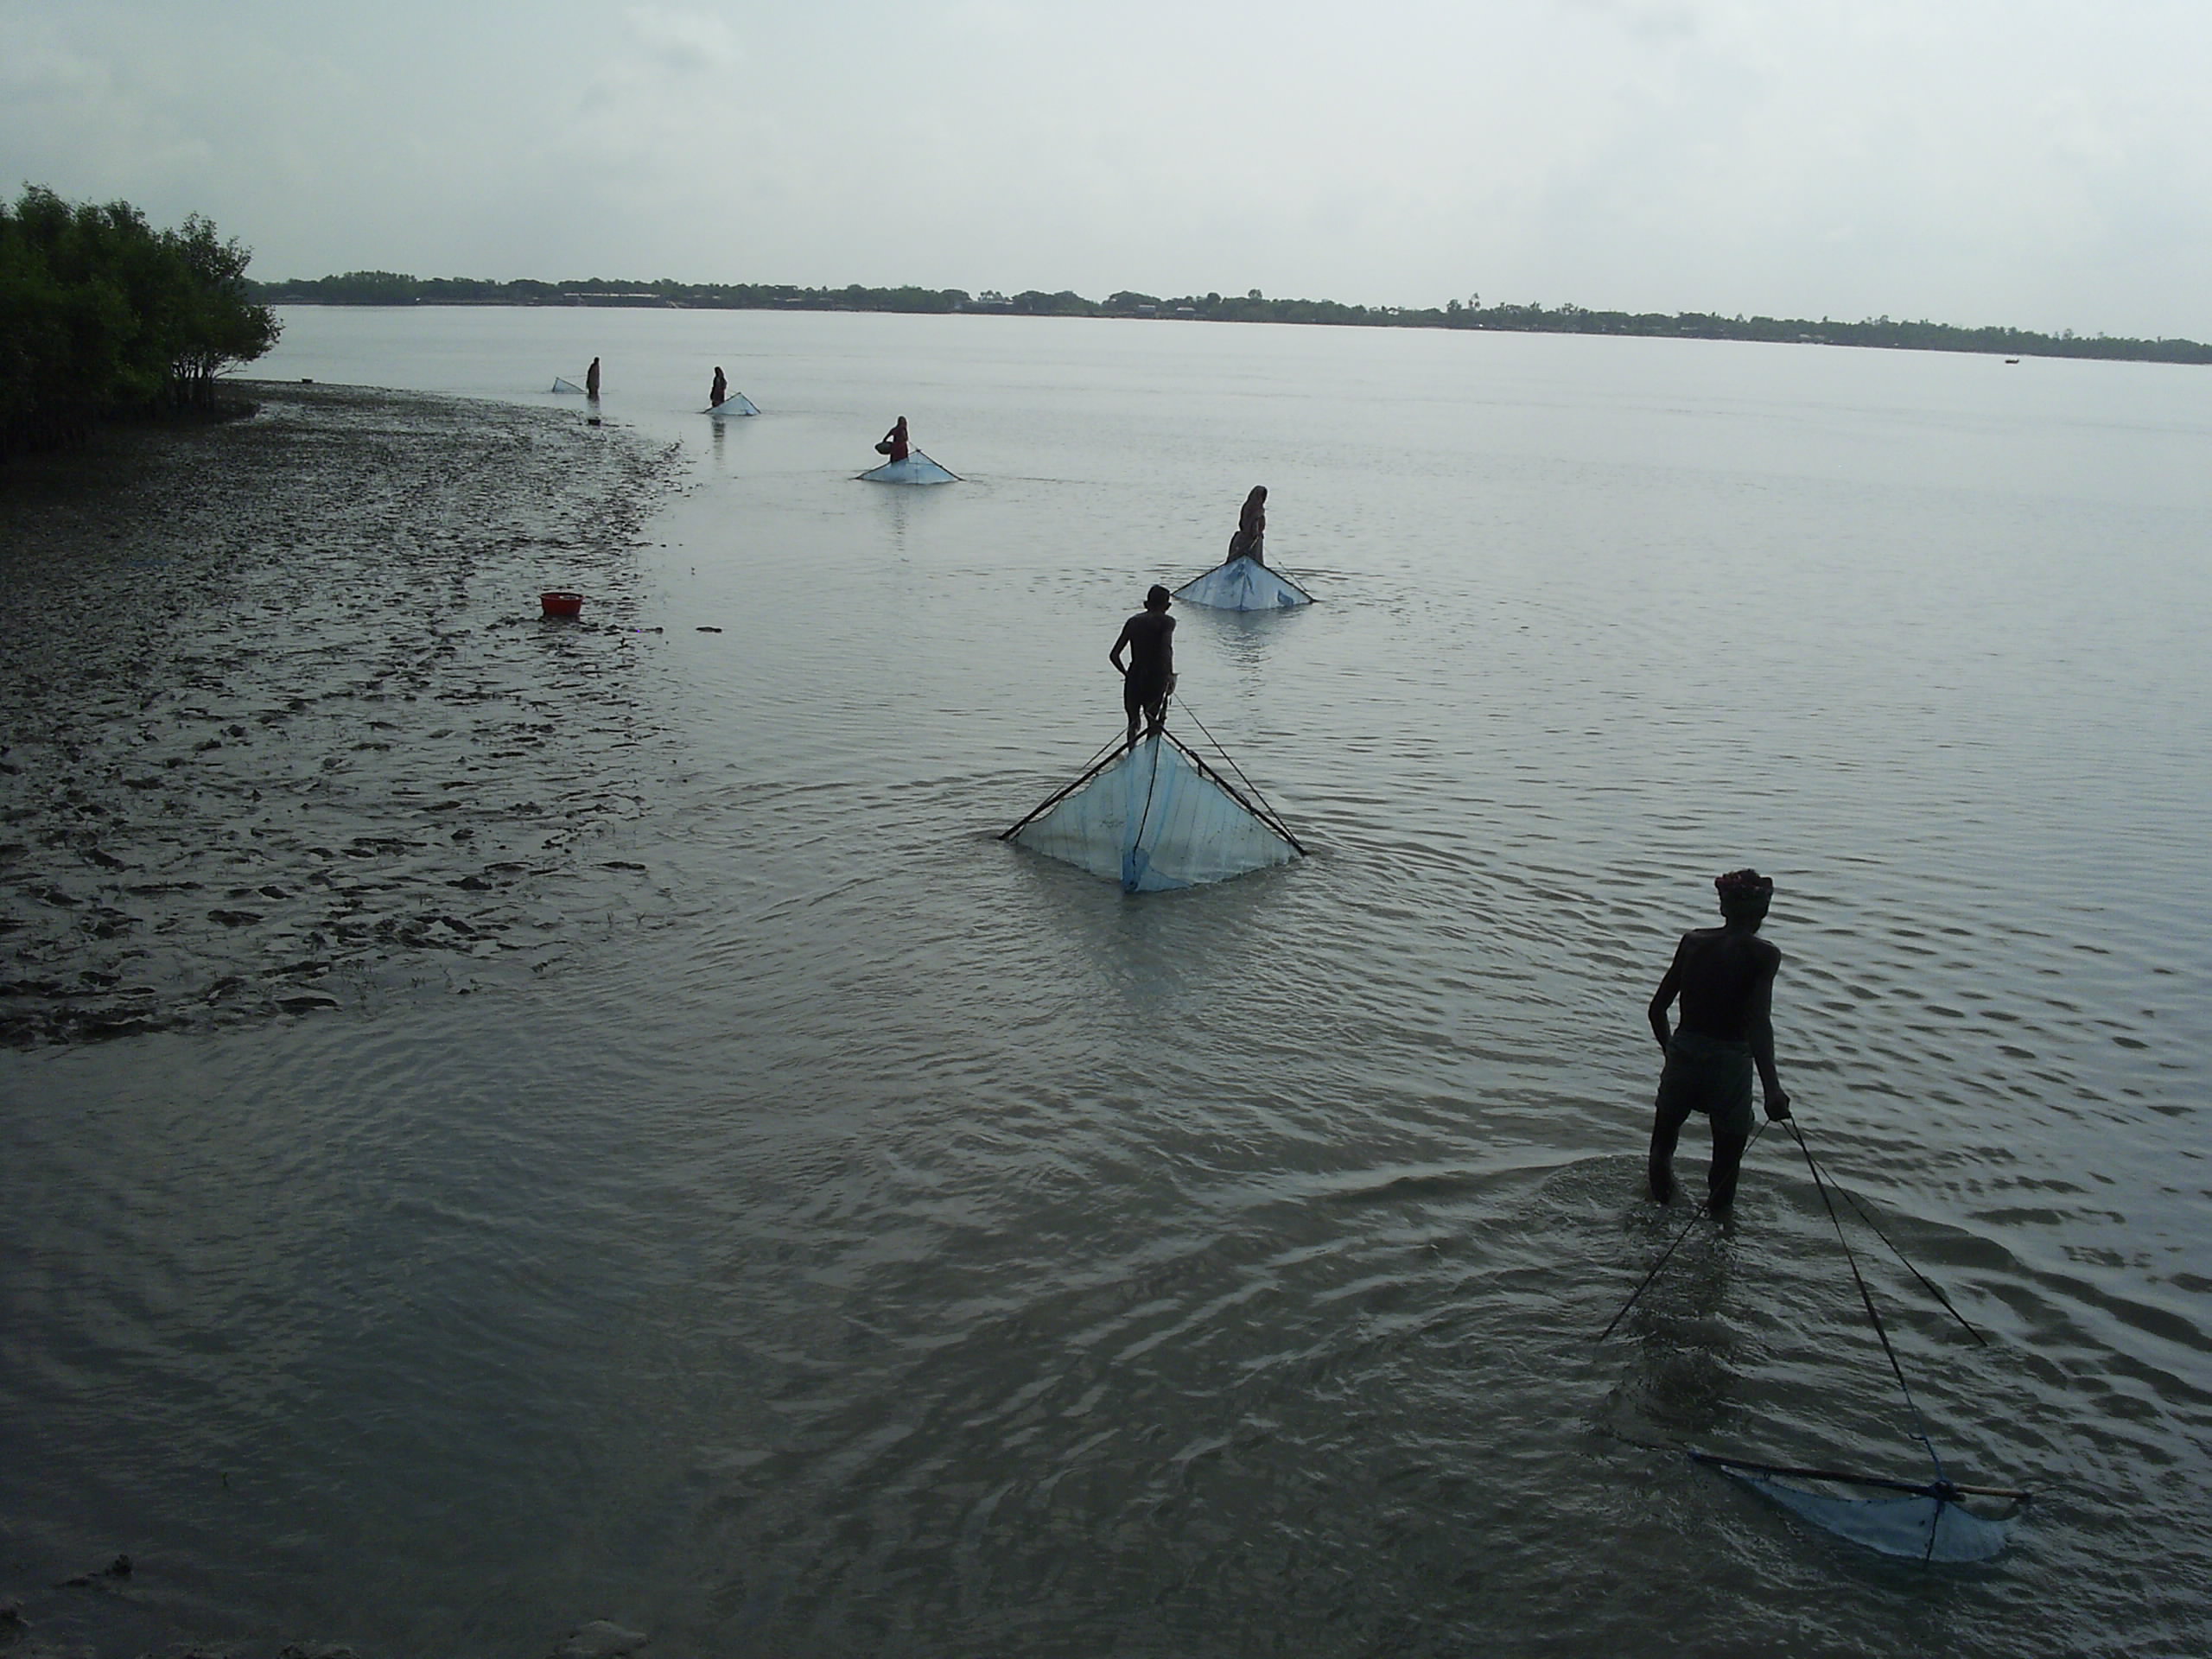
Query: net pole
x=1919, y=1488
x=1096, y=763
x=1264, y=814
x=1231, y=760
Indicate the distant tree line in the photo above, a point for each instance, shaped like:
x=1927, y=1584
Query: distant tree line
x=386, y=288
x=103, y=315
x=1921, y=336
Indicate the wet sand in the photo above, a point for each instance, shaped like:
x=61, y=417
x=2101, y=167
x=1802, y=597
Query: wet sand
x=281, y=727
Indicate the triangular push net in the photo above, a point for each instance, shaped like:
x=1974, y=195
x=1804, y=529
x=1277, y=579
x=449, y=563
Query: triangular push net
x=1913, y=1520
x=1922, y=1521
x=736, y=403
x=1917, y=1523
x=1243, y=585
x=917, y=468
x=560, y=385
x=1156, y=817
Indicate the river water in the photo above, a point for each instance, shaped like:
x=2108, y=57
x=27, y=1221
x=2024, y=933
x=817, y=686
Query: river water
x=843, y=1233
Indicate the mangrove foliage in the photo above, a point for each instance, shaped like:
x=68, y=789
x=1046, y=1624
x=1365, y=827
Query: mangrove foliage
x=102, y=315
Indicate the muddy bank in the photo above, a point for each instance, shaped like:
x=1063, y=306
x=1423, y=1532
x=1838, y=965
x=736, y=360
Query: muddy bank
x=284, y=728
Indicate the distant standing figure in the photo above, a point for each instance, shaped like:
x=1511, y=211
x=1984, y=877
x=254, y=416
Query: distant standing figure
x=1149, y=638
x=1248, y=542
x=719, y=393
x=1725, y=976
x=591, y=380
x=894, y=442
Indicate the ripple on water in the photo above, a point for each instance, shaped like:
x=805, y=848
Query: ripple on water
x=865, y=1234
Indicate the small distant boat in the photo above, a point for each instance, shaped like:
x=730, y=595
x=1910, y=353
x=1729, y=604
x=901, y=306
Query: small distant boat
x=1244, y=585
x=559, y=384
x=917, y=468
x=736, y=403
x=2012, y=359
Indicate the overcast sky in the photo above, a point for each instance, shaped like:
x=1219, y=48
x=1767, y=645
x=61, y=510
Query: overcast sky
x=2042, y=162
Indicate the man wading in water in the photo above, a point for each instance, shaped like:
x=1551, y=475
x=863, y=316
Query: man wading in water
x=1725, y=976
x=1149, y=638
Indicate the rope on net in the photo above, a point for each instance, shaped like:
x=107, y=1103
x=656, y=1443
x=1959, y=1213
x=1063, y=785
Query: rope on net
x=1928, y=1520
x=1230, y=761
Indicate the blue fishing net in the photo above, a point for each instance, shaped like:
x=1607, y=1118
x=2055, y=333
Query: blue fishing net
x=1241, y=585
x=1155, y=818
x=1920, y=1526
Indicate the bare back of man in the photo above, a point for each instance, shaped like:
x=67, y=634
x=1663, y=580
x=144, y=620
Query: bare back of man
x=1149, y=638
x=1721, y=974
x=1725, y=978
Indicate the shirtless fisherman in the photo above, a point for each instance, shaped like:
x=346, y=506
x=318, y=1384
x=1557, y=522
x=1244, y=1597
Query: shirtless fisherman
x=1725, y=976
x=1149, y=638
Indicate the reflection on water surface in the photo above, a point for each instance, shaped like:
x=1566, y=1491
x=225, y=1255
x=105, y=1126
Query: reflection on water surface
x=863, y=1235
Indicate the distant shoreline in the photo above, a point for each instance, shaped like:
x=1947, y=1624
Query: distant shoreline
x=388, y=288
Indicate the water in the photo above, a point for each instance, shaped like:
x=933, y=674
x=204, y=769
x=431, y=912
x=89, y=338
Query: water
x=866, y=1237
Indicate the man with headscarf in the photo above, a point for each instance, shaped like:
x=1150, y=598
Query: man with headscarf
x=1725, y=976
x=1250, y=540
x=1149, y=638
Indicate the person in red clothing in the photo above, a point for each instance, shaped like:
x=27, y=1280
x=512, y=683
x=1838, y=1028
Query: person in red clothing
x=894, y=441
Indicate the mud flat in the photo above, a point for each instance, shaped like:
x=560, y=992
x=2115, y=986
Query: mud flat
x=281, y=723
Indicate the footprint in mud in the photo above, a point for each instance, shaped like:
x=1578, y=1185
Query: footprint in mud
x=202, y=755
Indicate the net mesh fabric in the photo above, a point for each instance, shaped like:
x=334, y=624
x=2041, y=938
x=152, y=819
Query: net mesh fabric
x=1152, y=820
x=1920, y=1528
x=917, y=468
x=1242, y=585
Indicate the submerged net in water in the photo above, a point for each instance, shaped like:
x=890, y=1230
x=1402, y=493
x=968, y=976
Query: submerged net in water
x=1920, y=1520
x=917, y=468
x=1156, y=817
x=736, y=403
x=1921, y=1523
x=1243, y=585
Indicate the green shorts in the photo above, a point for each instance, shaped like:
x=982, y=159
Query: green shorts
x=1704, y=1074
